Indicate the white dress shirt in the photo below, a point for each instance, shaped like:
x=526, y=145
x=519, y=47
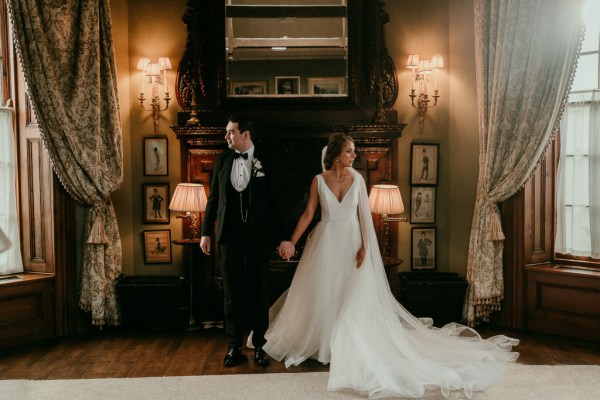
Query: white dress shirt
x=241, y=169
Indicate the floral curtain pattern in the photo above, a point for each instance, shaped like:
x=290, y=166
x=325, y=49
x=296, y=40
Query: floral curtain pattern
x=525, y=54
x=67, y=56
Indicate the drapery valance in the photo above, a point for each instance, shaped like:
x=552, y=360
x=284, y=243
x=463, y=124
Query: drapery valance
x=67, y=55
x=525, y=56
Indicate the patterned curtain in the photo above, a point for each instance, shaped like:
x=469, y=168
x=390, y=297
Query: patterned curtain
x=526, y=52
x=67, y=56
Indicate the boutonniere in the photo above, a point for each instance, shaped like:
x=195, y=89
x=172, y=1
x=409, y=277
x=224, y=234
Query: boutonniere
x=257, y=168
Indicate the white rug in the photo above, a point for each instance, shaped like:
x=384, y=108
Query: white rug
x=531, y=382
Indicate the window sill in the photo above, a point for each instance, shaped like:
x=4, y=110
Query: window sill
x=23, y=278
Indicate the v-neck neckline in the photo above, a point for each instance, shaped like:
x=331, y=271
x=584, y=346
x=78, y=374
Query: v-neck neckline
x=333, y=194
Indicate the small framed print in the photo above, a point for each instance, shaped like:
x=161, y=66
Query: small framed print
x=156, y=201
x=287, y=85
x=422, y=204
x=423, y=248
x=156, y=152
x=424, y=163
x=326, y=86
x=249, y=88
x=157, y=246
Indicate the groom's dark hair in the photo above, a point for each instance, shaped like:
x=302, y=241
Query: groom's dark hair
x=244, y=124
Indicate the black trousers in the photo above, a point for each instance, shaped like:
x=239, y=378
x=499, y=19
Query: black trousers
x=245, y=268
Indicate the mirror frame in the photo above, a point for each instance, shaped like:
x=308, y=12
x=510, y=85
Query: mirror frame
x=202, y=69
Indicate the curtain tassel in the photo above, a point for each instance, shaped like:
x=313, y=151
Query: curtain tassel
x=495, y=232
x=97, y=234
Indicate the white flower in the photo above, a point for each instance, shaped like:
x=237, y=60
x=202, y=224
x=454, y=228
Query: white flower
x=257, y=168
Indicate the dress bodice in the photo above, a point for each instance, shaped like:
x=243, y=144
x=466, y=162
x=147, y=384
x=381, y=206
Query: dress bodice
x=334, y=210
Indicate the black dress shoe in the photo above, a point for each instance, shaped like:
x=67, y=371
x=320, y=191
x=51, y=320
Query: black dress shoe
x=234, y=357
x=260, y=357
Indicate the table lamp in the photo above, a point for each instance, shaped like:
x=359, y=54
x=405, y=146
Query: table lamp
x=385, y=200
x=190, y=199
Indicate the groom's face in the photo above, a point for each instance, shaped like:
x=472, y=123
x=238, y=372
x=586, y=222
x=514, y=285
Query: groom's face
x=236, y=140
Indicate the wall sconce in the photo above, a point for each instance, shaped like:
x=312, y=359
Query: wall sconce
x=4, y=242
x=190, y=198
x=421, y=70
x=385, y=200
x=151, y=74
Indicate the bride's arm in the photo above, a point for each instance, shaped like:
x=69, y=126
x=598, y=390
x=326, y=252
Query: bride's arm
x=307, y=215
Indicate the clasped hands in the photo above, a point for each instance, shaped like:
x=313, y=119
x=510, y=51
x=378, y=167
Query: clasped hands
x=286, y=249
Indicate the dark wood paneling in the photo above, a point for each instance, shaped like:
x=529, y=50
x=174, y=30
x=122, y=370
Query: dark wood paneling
x=563, y=301
x=26, y=310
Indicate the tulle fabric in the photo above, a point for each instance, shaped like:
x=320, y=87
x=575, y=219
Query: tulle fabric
x=348, y=317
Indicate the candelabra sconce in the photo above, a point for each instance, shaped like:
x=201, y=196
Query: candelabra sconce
x=190, y=199
x=151, y=74
x=386, y=200
x=421, y=72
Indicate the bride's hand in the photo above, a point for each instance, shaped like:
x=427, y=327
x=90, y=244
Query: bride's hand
x=360, y=257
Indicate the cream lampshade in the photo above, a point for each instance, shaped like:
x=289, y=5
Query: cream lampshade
x=189, y=198
x=385, y=200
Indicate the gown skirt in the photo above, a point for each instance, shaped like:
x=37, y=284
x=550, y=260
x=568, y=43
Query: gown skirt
x=346, y=316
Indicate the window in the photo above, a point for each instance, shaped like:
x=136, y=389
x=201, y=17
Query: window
x=578, y=179
x=10, y=259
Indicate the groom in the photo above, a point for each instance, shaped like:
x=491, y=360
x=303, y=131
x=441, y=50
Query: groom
x=242, y=203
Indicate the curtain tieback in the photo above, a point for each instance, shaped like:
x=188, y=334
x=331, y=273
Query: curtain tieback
x=97, y=233
x=495, y=233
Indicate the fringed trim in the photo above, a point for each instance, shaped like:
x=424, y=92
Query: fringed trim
x=495, y=232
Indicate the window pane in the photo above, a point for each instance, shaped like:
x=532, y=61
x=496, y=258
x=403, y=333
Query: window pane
x=581, y=174
x=586, y=77
x=591, y=11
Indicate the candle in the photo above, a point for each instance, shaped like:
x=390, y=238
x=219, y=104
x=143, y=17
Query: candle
x=143, y=79
x=165, y=80
x=414, y=77
x=435, y=79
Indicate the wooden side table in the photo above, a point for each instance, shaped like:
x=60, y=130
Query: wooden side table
x=390, y=264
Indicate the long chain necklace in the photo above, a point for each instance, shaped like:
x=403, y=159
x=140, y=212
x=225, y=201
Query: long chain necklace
x=243, y=213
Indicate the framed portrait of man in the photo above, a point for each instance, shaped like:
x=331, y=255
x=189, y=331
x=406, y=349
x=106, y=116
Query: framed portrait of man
x=423, y=248
x=156, y=161
x=424, y=164
x=156, y=202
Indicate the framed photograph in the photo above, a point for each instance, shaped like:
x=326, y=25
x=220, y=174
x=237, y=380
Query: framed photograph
x=423, y=248
x=424, y=163
x=249, y=88
x=156, y=152
x=287, y=85
x=422, y=204
x=156, y=201
x=157, y=246
x=325, y=86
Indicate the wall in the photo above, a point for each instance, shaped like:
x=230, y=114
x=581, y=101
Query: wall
x=152, y=29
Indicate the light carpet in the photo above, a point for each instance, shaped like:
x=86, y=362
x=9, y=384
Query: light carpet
x=531, y=382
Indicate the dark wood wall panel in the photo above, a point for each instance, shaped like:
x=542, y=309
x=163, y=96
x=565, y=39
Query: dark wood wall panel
x=539, y=215
x=563, y=301
x=37, y=207
x=26, y=310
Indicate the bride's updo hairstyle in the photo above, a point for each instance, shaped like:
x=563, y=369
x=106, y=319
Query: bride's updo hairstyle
x=336, y=144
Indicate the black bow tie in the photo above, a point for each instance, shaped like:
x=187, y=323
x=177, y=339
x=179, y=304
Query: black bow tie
x=243, y=155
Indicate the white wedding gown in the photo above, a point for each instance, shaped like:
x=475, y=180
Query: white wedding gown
x=348, y=317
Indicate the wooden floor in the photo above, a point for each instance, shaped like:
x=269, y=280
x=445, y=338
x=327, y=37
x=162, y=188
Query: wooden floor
x=119, y=353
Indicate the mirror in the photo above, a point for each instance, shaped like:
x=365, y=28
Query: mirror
x=295, y=50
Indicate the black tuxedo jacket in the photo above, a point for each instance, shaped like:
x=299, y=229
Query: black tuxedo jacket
x=262, y=215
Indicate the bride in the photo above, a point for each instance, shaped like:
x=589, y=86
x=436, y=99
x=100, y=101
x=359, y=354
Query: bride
x=339, y=308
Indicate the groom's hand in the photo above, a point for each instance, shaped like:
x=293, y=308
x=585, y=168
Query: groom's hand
x=286, y=249
x=205, y=245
